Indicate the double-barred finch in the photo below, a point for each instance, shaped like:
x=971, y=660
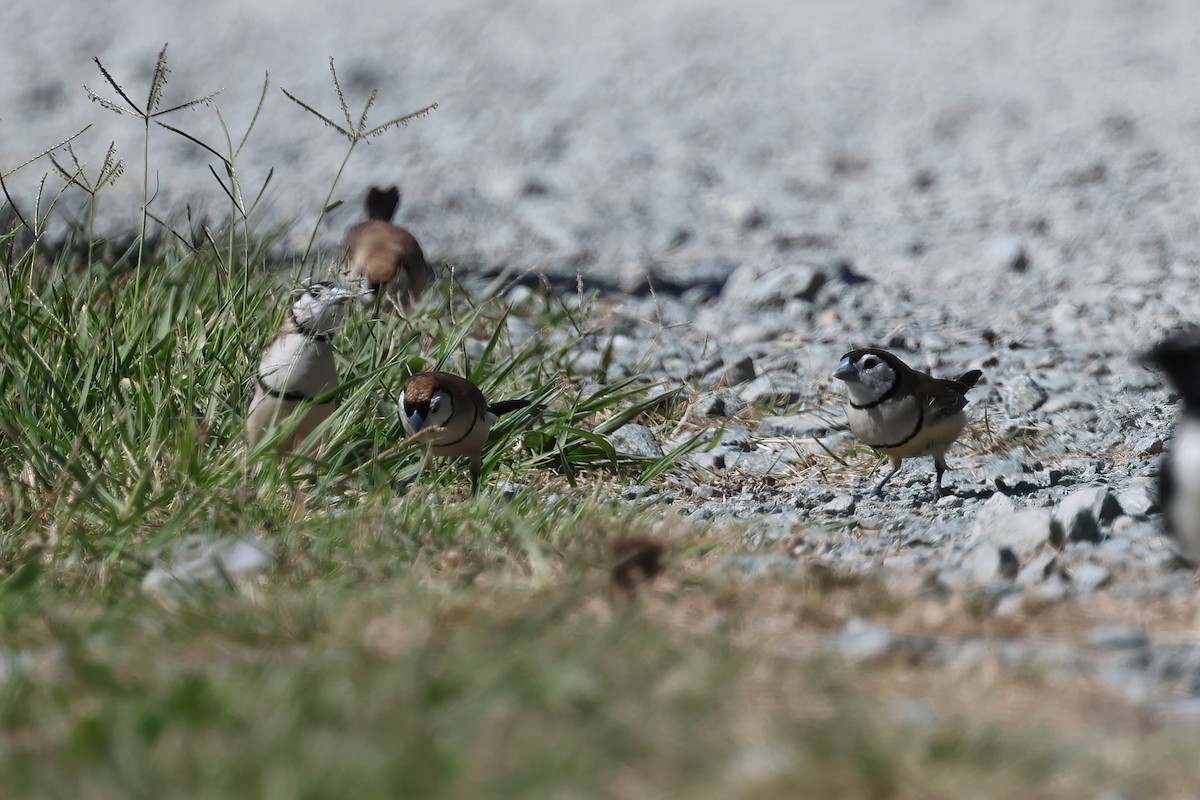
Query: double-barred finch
x=450, y=417
x=902, y=412
x=384, y=258
x=298, y=367
x=1178, y=356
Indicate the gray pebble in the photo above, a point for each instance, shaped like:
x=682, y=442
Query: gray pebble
x=1037, y=569
x=775, y=389
x=1137, y=498
x=1148, y=445
x=722, y=403
x=861, y=640
x=804, y=425
x=1116, y=637
x=841, y=506
x=754, y=288
x=739, y=370
x=509, y=489
x=635, y=440
x=1008, y=253
x=1023, y=396
x=1089, y=577
x=1000, y=524
x=758, y=565
x=735, y=438
x=989, y=563
x=209, y=563
x=1052, y=590
x=636, y=492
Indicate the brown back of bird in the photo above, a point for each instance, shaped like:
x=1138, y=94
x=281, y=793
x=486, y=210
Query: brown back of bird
x=385, y=256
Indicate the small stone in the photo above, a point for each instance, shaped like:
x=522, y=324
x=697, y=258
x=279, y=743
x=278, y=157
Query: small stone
x=506, y=186
x=742, y=212
x=739, y=370
x=840, y=506
x=1009, y=605
x=754, y=288
x=758, y=565
x=1037, y=569
x=1116, y=550
x=1130, y=529
x=636, y=492
x=805, y=425
x=635, y=440
x=735, y=438
x=860, y=640
x=990, y=563
x=710, y=461
x=1051, y=590
x=1000, y=524
x=704, y=491
x=1098, y=502
x=924, y=179
x=950, y=501
x=903, y=562
x=847, y=275
x=1089, y=577
x=211, y=563
x=953, y=578
x=1148, y=446
x=1023, y=396
x=634, y=276
x=509, y=489
x=758, y=462
x=721, y=403
x=775, y=388
x=1008, y=253
x=915, y=713
x=1137, y=498
x=1076, y=516
x=1116, y=637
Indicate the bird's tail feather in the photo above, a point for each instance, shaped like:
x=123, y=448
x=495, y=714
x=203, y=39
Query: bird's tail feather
x=505, y=406
x=382, y=203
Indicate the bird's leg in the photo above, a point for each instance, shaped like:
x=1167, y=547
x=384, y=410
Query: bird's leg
x=878, y=490
x=939, y=465
x=400, y=485
x=476, y=471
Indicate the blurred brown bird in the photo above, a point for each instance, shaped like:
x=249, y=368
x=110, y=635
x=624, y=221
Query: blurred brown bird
x=385, y=259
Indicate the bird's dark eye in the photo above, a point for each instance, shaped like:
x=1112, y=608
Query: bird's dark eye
x=434, y=403
x=869, y=362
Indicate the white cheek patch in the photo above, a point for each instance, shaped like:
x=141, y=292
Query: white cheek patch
x=879, y=379
x=445, y=411
x=871, y=385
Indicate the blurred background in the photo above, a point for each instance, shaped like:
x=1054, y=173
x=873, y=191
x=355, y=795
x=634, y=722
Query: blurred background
x=681, y=138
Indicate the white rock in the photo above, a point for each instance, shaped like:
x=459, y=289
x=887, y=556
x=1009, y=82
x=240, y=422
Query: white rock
x=1024, y=395
x=1137, y=498
x=635, y=440
x=1008, y=253
x=989, y=563
x=198, y=562
x=862, y=640
x=1037, y=569
x=1089, y=577
x=1000, y=524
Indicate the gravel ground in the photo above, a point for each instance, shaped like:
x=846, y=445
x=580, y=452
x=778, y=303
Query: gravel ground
x=1010, y=187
